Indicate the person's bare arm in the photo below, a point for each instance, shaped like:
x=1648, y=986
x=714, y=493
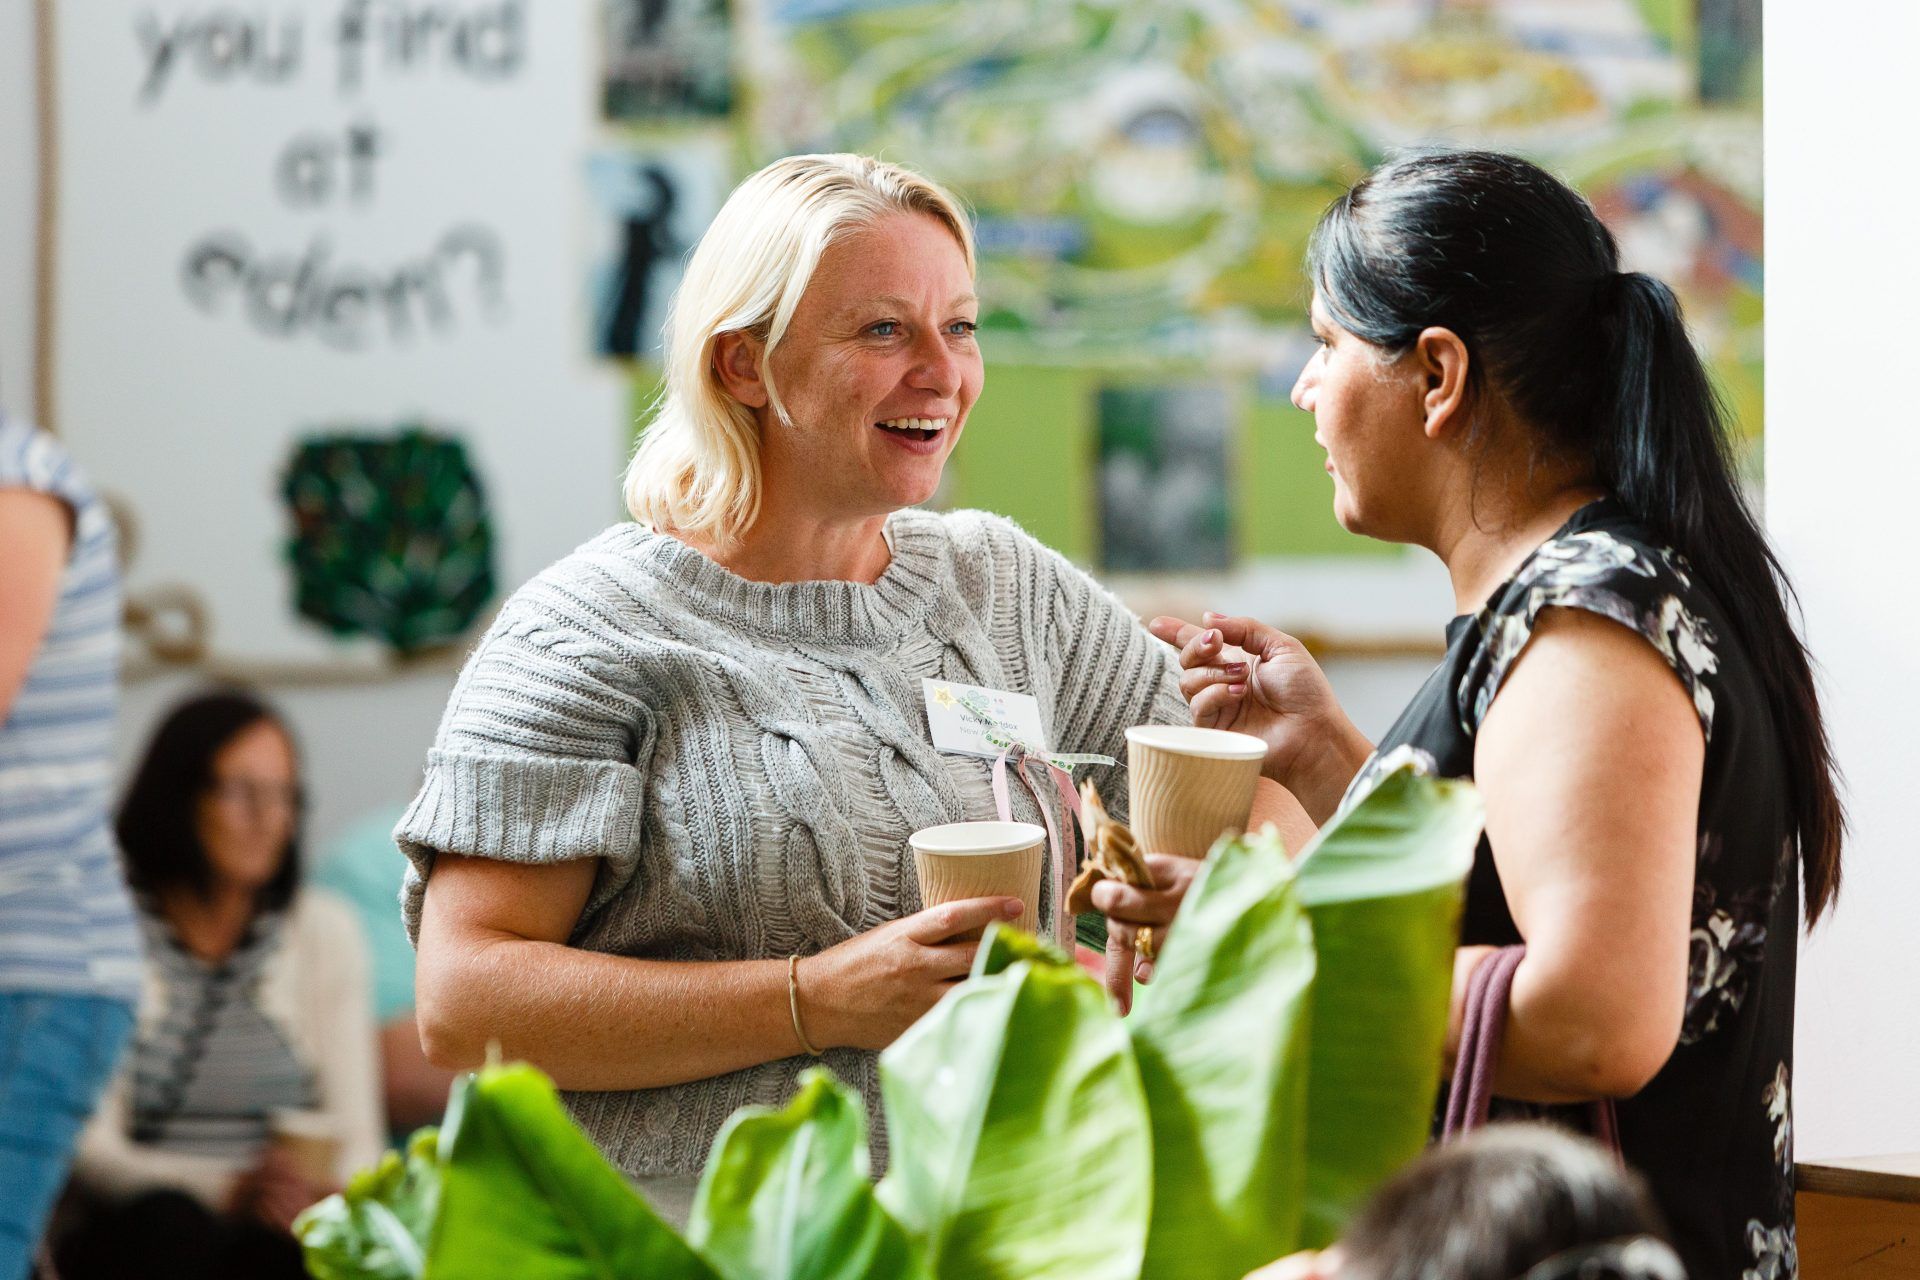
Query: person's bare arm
x=36, y=531
x=415, y=1090
x=1273, y=803
x=494, y=967
x=1590, y=764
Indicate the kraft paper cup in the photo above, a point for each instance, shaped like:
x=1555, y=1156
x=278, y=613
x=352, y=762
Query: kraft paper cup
x=310, y=1140
x=982, y=860
x=1187, y=787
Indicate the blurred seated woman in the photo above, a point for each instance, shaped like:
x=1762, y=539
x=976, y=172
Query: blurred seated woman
x=1511, y=1202
x=661, y=848
x=254, y=1018
x=1622, y=681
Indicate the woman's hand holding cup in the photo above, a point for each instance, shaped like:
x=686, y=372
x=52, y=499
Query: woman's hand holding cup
x=867, y=990
x=1252, y=678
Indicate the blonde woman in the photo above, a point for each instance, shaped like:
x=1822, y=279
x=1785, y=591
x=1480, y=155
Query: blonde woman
x=694, y=749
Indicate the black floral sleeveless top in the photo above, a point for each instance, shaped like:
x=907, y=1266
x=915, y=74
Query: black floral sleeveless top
x=1713, y=1131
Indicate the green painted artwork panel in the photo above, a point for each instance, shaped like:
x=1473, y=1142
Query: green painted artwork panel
x=1028, y=453
x=1285, y=503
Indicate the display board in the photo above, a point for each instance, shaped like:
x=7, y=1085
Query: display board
x=314, y=274
x=1146, y=172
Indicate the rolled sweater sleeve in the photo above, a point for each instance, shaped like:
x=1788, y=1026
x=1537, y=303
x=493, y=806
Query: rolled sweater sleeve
x=541, y=754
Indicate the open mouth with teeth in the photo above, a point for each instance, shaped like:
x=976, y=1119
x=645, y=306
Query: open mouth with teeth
x=921, y=429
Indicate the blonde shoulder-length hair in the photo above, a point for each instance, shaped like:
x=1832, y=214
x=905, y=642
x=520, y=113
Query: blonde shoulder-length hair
x=696, y=471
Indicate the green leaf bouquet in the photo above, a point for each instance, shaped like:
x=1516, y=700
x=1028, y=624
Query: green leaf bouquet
x=1283, y=1063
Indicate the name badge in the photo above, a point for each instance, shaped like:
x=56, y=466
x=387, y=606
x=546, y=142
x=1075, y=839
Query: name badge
x=972, y=721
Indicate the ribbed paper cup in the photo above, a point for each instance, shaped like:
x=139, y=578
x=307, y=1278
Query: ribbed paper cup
x=311, y=1141
x=1187, y=787
x=982, y=860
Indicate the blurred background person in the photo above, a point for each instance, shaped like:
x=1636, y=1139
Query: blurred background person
x=1511, y=1202
x=254, y=1016
x=364, y=868
x=69, y=952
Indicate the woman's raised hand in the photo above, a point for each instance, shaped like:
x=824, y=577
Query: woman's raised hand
x=1246, y=676
x=867, y=990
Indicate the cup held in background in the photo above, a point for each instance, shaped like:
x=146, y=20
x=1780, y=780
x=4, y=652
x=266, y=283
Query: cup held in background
x=311, y=1142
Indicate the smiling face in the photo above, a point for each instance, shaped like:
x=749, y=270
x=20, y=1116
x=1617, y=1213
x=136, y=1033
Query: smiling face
x=245, y=819
x=878, y=370
x=1368, y=415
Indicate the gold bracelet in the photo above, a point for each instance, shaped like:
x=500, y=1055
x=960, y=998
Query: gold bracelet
x=793, y=1003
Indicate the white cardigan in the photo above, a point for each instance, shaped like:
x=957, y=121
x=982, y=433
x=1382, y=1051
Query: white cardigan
x=317, y=989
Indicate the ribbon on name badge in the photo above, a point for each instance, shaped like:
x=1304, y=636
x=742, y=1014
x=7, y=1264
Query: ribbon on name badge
x=1056, y=767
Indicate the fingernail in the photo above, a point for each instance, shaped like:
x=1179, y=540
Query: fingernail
x=1143, y=972
x=1211, y=614
x=1236, y=689
x=1212, y=637
x=1012, y=907
x=1237, y=668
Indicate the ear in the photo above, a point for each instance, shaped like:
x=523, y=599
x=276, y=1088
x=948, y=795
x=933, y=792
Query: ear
x=736, y=363
x=1442, y=361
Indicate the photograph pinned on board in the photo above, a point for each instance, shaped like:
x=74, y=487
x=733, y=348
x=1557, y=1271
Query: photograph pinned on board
x=666, y=59
x=1165, y=502
x=1728, y=43
x=651, y=206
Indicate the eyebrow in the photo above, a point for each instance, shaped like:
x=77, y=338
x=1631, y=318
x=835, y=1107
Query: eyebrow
x=897, y=303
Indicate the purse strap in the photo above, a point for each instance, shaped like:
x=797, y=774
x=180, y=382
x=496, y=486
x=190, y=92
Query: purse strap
x=1483, y=1024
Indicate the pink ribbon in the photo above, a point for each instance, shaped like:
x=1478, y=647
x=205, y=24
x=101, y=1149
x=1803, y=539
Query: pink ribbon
x=1064, y=857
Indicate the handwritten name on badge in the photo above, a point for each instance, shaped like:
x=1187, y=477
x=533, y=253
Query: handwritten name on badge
x=973, y=721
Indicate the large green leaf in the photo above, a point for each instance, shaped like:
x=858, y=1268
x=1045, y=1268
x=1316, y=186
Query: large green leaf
x=1382, y=886
x=1018, y=1128
x=1220, y=1037
x=525, y=1195
x=378, y=1227
x=786, y=1197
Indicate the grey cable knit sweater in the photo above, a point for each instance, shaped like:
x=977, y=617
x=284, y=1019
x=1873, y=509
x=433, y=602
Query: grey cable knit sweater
x=747, y=759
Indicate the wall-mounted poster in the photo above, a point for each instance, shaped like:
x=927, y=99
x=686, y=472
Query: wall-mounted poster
x=650, y=204
x=272, y=217
x=664, y=59
x=1165, y=496
x=1145, y=174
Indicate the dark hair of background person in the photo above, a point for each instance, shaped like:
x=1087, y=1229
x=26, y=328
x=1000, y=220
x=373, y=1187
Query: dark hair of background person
x=156, y=827
x=1498, y=1204
x=1598, y=364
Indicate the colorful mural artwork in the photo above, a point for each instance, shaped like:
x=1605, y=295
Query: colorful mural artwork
x=1145, y=174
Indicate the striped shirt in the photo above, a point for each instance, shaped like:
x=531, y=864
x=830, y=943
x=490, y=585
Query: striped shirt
x=66, y=923
x=210, y=1073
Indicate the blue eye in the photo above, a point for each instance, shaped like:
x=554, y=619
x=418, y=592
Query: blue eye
x=885, y=329
x=963, y=328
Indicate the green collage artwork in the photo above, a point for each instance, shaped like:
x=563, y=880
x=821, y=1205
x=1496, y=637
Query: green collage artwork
x=1144, y=175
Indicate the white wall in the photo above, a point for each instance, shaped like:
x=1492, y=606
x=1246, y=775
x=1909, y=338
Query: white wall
x=363, y=743
x=19, y=189
x=1843, y=466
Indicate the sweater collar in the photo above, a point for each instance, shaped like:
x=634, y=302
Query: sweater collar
x=827, y=611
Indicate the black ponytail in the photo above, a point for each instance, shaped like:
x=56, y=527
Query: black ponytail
x=1598, y=363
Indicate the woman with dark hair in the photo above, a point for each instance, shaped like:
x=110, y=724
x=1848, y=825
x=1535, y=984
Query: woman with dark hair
x=1512, y=1202
x=254, y=1024
x=1623, y=680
